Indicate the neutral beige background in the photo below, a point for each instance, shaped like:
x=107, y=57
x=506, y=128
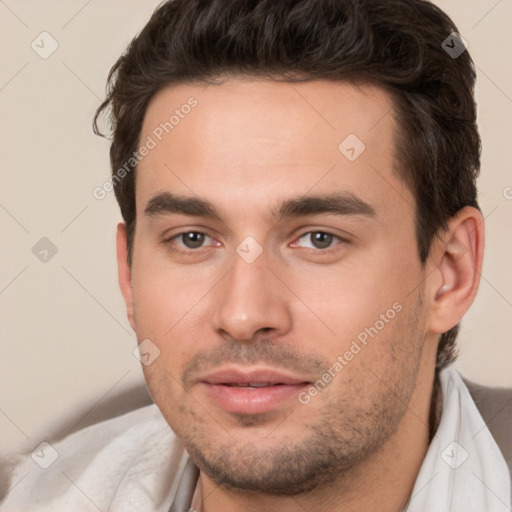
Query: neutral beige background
x=65, y=339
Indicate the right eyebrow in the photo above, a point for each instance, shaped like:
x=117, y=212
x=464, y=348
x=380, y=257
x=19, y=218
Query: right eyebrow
x=167, y=203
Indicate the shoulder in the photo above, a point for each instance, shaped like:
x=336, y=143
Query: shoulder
x=495, y=406
x=105, y=465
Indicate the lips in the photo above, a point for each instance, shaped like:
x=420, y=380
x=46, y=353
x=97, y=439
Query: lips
x=251, y=392
x=254, y=385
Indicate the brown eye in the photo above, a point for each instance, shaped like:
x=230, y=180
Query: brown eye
x=188, y=241
x=319, y=240
x=192, y=239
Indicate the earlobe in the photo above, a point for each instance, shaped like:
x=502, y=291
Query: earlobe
x=124, y=272
x=458, y=260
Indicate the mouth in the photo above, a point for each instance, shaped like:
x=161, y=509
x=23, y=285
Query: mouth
x=251, y=392
x=253, y=385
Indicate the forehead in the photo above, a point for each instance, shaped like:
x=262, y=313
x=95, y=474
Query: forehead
x=259, y=138
x=265, y=108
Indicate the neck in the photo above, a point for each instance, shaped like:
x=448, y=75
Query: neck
x=384, y=481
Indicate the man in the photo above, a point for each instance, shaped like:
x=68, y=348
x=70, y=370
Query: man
x=301, y=239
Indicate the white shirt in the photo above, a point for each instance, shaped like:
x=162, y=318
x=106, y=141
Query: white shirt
x=135, y=463
x=463, y=470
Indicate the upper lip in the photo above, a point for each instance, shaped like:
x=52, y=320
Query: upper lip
x=253, y=376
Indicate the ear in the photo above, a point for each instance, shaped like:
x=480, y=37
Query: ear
x=457, y=263
x=124, y=272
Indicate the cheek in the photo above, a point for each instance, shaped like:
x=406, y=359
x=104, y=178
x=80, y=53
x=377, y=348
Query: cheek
x=349, y=298
x=362, y=313
x=382, y=355
x=163, y=295
x=168, y=312
x=164, y=387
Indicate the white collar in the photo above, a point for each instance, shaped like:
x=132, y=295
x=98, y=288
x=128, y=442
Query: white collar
x=463, y=470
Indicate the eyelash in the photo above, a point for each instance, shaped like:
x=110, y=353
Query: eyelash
x=330, y=250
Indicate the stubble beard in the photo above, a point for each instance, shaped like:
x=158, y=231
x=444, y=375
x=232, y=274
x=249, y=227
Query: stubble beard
x=344, y=433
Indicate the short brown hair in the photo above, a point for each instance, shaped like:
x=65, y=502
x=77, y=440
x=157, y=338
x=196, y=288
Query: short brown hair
x=395, y=44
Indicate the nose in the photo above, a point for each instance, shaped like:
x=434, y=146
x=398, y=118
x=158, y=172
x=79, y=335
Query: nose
x=251, y=302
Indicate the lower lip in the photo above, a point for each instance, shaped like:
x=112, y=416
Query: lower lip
x=244, y=400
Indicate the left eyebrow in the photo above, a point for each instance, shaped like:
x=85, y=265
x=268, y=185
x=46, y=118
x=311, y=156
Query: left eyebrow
x=341, y=203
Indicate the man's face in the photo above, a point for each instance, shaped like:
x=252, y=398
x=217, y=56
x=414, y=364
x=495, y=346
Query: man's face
x=319, y=307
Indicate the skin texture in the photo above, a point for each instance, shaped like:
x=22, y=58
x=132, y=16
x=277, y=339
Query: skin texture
x=248, y=145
